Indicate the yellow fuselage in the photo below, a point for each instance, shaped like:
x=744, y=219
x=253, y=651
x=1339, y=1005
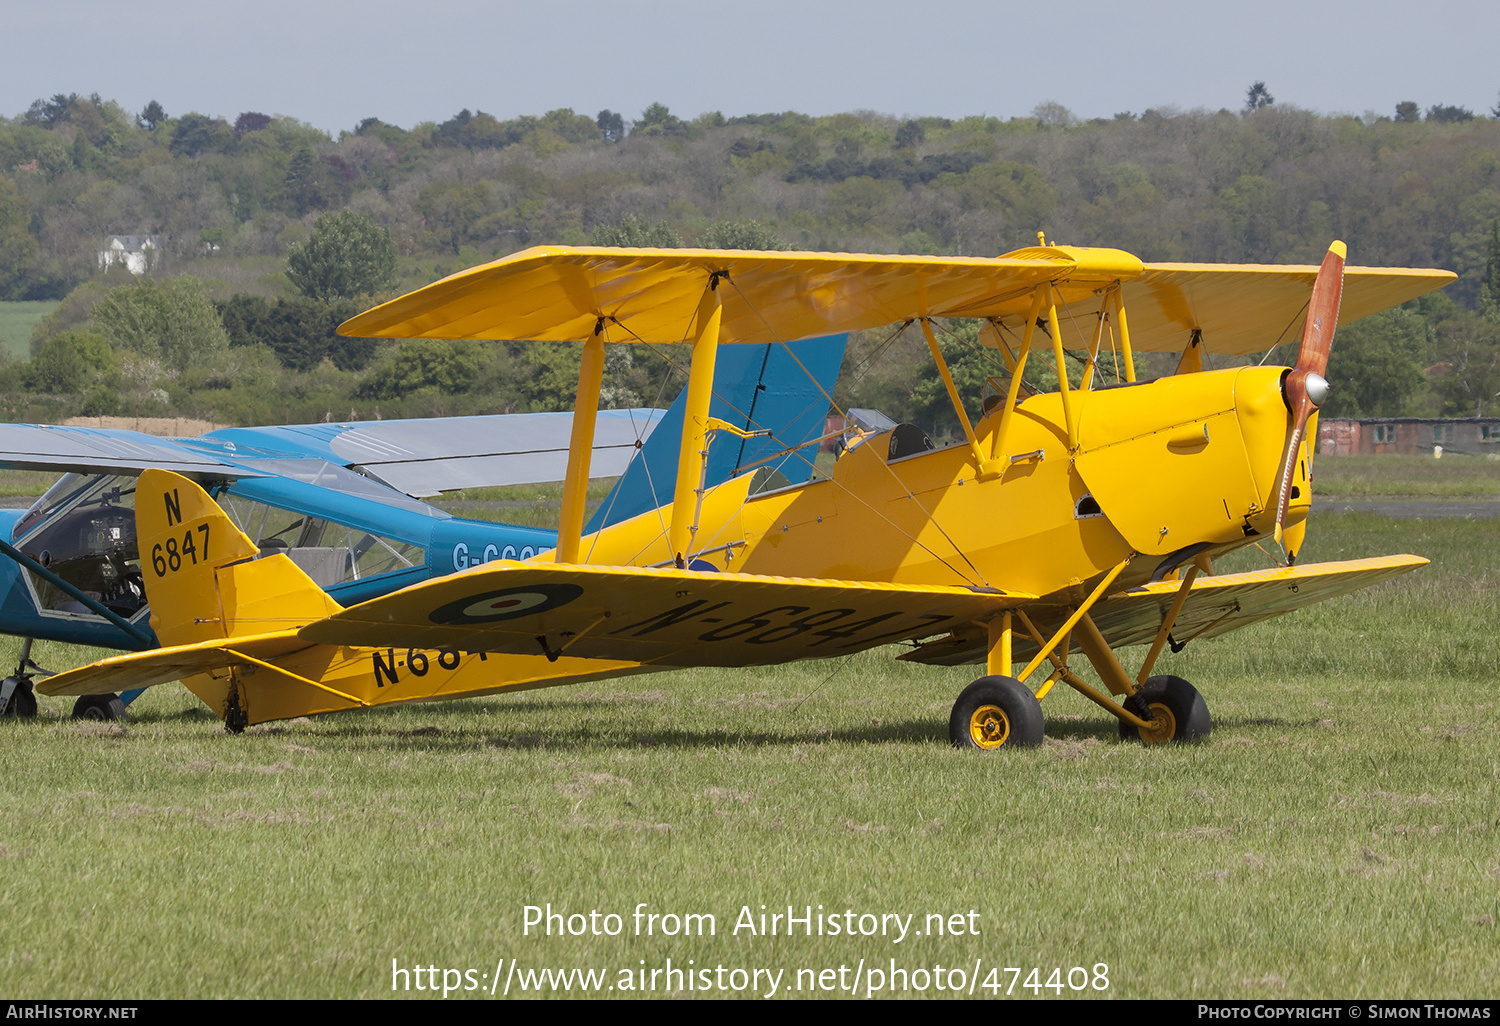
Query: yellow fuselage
x=1158, y=467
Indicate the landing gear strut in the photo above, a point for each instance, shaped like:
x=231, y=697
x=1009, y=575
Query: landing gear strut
x=235, y=718
x=1001, y=711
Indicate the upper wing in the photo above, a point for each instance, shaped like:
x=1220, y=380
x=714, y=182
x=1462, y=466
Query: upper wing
x=86, y=450
x=561, y=293
x=1247, y=308
x=427, y=457
x=663, y=617
x=417, y=457
x=1214, y=606
x=558, y=293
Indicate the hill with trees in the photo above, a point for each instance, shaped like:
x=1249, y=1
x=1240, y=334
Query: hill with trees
x=279, y=231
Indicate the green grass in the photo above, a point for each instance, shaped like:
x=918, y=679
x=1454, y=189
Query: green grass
x=16, y=321
x=1338, y=835
x=26, y=483
x=544, y=492
x=1455, y=476
x=531, y=505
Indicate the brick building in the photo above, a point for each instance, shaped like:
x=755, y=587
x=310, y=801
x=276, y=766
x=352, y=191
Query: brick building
x=1409, y=435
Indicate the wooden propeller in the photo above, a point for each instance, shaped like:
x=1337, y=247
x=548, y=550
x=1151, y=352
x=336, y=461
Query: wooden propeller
x=1306, y=388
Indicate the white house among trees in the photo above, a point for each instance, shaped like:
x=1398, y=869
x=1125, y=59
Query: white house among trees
x=136, y=252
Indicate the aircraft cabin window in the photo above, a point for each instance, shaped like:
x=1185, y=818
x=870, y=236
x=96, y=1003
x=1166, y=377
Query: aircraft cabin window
x=67, y=488
x=83, y=530
x=328, y=552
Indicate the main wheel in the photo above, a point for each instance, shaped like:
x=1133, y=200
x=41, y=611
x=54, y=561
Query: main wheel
x=996, y=712
x=99, y=707
x=1178, y=713
x=22, y=701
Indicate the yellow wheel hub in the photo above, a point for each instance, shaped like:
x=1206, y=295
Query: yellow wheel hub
x=1163, y=727
x=988, y=727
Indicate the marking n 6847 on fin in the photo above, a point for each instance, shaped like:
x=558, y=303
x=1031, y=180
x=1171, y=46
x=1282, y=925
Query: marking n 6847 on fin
x=172, y=556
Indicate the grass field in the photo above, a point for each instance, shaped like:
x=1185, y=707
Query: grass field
x=16, y=322
x=1338, y=835
x=1455, y=476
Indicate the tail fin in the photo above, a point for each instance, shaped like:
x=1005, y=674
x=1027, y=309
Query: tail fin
x=204, y=580
x=783, y=388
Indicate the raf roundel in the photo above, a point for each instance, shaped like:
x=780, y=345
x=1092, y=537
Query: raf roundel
x=506, y=604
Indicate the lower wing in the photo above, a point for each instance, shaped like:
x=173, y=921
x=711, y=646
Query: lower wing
x=1214, y=606
x=661, y=617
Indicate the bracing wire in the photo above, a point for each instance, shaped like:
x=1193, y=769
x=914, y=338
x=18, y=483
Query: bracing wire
x=825, y=680
x=811, y=464
x=1281, y=339
x=896, y=477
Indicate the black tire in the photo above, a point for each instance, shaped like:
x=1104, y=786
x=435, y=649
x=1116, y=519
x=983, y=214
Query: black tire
x=996, y=712
x=99, y=707
x=1178, y=706
x=22, y=702
x=235, y=718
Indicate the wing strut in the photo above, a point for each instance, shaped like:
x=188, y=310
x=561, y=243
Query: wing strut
x=695, y=419
x=895, y=477
x=987, y=469
x=581, y=447
x=1125, y=349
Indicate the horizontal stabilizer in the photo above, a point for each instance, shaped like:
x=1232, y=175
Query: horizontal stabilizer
x=164, y=665
x=664, y=617
x=281, y=676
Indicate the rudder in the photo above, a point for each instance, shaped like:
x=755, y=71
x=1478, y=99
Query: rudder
x=205, y=579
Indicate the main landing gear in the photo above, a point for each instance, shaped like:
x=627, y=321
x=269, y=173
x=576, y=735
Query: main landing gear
x=1000, y=711
x=996, y=712
x=99, y=707
x=1176, y=712
x=18, y=697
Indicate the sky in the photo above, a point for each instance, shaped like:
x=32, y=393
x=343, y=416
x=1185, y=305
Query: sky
x=333, y=63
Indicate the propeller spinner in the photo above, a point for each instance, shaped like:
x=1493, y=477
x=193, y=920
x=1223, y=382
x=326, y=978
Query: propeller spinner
x=1306, y=388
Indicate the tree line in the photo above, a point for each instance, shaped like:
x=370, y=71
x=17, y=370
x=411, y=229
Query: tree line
x=236, y=206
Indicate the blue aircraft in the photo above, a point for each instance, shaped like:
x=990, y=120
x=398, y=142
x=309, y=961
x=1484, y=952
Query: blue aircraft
x=345, y=501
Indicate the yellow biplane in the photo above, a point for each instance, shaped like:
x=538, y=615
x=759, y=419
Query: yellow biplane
x=1084, y=519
